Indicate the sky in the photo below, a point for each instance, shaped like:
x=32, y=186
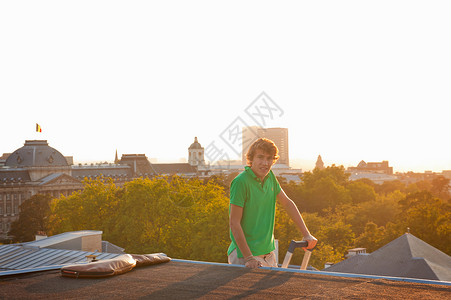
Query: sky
x=351, y=80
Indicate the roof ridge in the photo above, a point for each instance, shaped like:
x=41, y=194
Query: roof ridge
x=409, y=242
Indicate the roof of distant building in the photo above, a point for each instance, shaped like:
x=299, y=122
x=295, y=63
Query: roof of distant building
x=14, y=174
x=174, y=168
x=140, y=165
x=376, y=177
x=58, y=178
x=406, y=256
x=107, y=170
x=291, y=177
x=59, y=238
x=36, y=153
x=195, y=145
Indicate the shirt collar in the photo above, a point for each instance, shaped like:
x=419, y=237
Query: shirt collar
x=250, y=172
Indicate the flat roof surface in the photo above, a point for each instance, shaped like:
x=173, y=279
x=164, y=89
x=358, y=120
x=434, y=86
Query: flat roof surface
x=186, y=280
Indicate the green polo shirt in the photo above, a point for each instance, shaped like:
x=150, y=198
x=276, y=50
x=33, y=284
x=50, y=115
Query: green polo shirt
x=258, y=200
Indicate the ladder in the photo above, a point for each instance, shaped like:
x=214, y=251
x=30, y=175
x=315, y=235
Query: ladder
x=293, y=245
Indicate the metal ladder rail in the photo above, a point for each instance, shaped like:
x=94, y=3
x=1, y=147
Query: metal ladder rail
x=293, y=245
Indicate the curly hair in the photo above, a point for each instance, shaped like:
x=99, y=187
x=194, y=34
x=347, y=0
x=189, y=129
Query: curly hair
x=264, y=144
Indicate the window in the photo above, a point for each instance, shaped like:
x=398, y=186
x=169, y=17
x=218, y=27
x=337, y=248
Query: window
x=8, y=204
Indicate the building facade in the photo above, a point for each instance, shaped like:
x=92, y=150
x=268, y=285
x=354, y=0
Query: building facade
x=37, y=168
x=278, y=135
x=34, y=168
x=373, y=167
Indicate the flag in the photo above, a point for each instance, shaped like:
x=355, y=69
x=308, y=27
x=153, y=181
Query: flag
x=38, y=128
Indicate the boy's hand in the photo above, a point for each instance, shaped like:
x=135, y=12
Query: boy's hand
x=253, y=264
x=311, y=242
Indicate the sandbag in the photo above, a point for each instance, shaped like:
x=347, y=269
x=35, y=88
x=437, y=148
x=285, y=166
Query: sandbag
x=101, y=268
x=150, y=259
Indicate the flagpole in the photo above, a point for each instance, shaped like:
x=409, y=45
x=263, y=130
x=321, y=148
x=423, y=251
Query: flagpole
x=38, y=132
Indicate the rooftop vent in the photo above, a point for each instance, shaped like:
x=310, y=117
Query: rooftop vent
x=356, y=251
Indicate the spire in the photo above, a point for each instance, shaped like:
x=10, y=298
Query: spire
x=116, y=160
x=319, y=163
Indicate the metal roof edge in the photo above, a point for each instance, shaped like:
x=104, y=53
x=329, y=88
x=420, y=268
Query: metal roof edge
x=31, y=270
x=335, y=274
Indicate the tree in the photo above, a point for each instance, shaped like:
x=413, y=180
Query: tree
x=373, y=237
x=422, y=185
x=32, y=218
x=337, y=174
x=180, y=217
x=338, y=235
x=223, y=180
x=183, y=218
x=390, y=186
x=94, y=208
x=440, y=187
x=383, y=209
x=361, y=192
x=324, y=194
x=428, y=218
x=323, y=189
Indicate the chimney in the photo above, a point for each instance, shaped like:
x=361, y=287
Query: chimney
x=91, y=257
x=40, y=235
x=355, y=251
x=328, y=264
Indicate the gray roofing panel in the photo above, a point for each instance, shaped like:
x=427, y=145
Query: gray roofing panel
x=92, y=171
x=36, y=153
x=15, y=257
x=15, y=174
x=44, y=260
x=30, y=257
x=111, y=248
x=400, y=258
x=50, y=177
x=174, y=168
x=440, y=270
x=41, y=258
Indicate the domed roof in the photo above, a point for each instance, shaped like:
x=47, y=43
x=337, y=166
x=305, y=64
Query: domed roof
x=195, y=145
x=36, y=153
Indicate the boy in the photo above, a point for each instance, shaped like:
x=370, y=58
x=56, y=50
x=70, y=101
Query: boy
x=253, y=195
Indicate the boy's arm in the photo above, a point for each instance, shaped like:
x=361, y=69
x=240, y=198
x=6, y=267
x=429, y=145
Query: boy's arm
x=296, y=216
x=236, y=213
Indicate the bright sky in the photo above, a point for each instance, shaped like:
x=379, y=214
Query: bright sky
x=352, y=80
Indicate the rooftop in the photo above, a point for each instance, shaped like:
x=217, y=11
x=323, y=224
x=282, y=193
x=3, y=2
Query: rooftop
x=63, y=237
x=406, y=256
x=32, y=270
x=36, y=153
x=22, y=259
x=180, y=279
